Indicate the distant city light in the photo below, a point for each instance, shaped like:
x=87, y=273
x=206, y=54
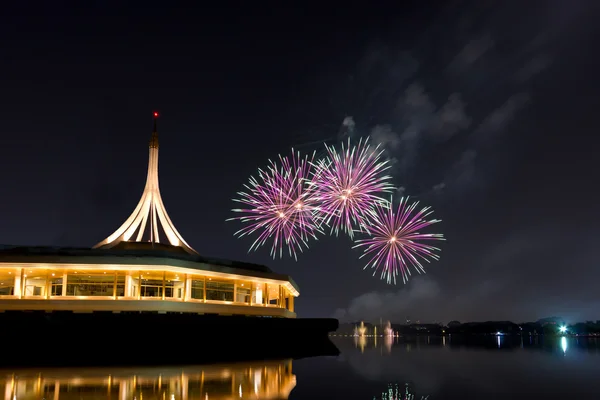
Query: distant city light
x=562, y=329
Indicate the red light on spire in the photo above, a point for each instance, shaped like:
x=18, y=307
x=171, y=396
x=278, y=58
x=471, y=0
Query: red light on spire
x=155, y=114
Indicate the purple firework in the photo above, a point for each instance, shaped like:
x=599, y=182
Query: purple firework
x=349, y=183
x=280, y=204
x=395, y=240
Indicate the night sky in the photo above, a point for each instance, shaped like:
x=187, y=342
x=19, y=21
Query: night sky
x=488, y=111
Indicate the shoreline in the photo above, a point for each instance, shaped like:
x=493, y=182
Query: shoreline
x=108, y=339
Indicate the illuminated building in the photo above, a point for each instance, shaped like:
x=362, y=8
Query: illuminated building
x=144, y=266
x=263, y=380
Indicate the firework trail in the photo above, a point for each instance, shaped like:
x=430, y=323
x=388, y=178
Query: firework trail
x=395, y=239
x=280, y=205
x=348, y=184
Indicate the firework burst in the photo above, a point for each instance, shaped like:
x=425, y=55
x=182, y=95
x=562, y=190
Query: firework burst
x=395, y=241
x=348, y=184
x=280, y=205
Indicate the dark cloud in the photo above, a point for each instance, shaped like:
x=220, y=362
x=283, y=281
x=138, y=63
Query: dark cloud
x=533, y=67
x=384, y=136
x=451, y=118
x=473, y=51
x=497, y=120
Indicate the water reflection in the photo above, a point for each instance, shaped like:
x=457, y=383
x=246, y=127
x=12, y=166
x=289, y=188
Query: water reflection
x=395, y=392
x=431, y=363
x=361, y=342
x=258, y=380
x=388, y=342
x=502, y=342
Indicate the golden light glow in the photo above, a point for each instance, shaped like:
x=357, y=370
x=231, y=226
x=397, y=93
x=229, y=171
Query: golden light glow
x=97, y=286
x=150, y=212
x=263, y=380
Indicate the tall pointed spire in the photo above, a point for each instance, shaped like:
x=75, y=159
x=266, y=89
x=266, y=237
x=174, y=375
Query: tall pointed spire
x=150, y=212
x=154, y=139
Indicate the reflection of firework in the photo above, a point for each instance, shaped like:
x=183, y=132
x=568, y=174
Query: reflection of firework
x=394, y=241
x=280, y=205
x=349, y=184
x=395, y=393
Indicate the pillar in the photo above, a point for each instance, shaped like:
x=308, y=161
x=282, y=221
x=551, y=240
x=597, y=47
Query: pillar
x=187, y=288
x=265, y=294
x=128, y=285
x=115, y=285
x=22, y=285
x=291, y=303
x=18, y=283
x=139, y=291
x=64, y=285
x=281, y=297
x=48, y=285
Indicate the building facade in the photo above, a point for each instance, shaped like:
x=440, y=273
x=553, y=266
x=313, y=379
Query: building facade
x=144, y=266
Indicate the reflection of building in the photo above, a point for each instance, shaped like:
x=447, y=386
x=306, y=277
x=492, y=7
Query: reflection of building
x=145, y=265
x=261, y=380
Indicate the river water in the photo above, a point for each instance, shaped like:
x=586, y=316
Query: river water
x=431, y=368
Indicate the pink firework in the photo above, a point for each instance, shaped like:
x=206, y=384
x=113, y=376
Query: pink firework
x=349, y=183
x=395, y=241
x=280, y=205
